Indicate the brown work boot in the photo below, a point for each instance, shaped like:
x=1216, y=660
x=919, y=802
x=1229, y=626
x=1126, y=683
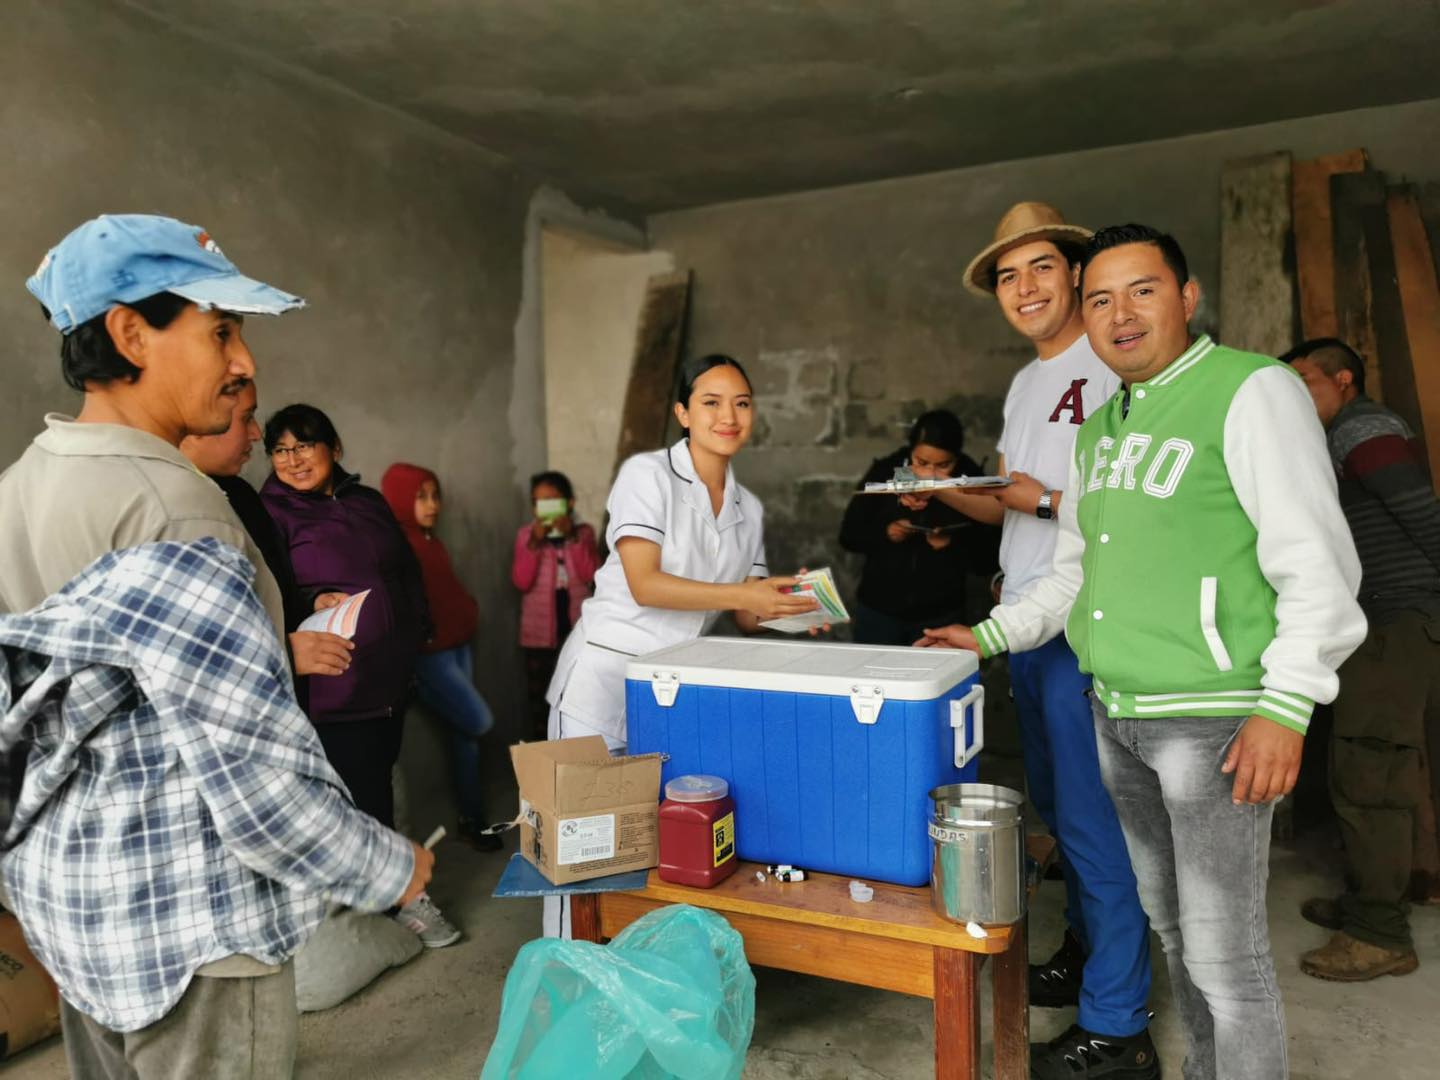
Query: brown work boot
x=1348, y=959
x=1323, y=911
x=1425, y=888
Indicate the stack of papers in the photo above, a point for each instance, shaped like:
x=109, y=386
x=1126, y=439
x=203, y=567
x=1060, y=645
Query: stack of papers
x=340, y=619
x=820, y=586
x=922, y=484
x=910, y=526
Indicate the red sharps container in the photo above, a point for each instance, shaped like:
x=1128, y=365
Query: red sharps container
x=697, y=831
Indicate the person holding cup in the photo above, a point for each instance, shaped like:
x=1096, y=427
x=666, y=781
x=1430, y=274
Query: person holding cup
x=554, y=568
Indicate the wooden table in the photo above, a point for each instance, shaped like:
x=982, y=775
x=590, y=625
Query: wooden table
x=895, y=942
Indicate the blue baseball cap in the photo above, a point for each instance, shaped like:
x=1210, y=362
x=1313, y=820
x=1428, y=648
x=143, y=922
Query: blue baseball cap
x=120, y=258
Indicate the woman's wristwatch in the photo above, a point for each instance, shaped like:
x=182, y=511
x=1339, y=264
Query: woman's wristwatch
x=1045, y=508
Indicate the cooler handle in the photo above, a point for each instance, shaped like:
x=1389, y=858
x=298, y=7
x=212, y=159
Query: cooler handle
x=665, y=685
x=866, y=702
x=965, y=751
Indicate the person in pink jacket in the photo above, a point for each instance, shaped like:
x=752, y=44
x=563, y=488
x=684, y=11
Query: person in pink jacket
x=554, y=568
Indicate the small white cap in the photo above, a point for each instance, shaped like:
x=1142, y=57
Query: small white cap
x=861, y=893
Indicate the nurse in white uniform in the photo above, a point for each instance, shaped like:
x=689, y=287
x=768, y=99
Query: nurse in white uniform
x=686, y=543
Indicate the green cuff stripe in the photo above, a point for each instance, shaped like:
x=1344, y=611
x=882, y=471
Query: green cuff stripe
x=991, y=638
x=1294, y=701
x=981, y=639
x=1292, y=710
x=1303, y=727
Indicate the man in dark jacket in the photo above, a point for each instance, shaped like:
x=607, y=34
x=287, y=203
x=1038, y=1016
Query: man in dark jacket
x=1389, y=704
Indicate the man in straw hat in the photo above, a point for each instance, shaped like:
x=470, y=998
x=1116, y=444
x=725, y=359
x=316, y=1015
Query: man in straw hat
x=1031, y=269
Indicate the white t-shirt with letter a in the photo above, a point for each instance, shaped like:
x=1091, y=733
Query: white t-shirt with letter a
x=1047, y=403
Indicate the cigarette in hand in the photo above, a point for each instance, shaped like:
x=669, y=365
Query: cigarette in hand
x=434, y=838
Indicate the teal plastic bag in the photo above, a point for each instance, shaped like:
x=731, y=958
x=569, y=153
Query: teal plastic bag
x=671, y=996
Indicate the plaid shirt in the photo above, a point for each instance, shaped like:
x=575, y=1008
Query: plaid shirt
x=175, y=806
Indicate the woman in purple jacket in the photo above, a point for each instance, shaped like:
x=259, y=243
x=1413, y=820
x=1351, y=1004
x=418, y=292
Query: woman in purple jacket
x=344, y=539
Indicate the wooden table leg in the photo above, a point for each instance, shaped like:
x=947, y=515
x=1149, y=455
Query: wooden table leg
x=585, y=916
x=1010, y=979
x=957, y=1015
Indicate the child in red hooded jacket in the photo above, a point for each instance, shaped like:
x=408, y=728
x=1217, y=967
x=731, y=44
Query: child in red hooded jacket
x=445, y=669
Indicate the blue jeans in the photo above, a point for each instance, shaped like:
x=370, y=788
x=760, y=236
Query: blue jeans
x=1202, y=863
x=447, y=688
x=1062, y=771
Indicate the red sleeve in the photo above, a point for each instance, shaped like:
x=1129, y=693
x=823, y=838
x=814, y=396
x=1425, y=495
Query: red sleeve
x=1377, y=453
x=525, y=567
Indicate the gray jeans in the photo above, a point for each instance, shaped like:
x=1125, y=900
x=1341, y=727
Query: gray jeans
x=1202, y=864
x=222, y=1029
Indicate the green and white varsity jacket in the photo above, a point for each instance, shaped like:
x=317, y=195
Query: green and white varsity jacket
x=1203, y=566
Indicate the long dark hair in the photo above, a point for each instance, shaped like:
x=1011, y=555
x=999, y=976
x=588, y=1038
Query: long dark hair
x=941, y=429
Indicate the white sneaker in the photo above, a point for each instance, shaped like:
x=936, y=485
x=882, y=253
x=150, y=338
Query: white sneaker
x=424, y=920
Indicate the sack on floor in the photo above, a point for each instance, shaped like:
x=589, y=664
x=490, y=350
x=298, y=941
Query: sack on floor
x=346, y=954
x=671, y=996
x=29, y=1002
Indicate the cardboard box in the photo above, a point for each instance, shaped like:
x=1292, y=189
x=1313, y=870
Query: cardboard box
x=29, y=1002
x=584, y=813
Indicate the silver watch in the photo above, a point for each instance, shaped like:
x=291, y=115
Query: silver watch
x=1045, y=508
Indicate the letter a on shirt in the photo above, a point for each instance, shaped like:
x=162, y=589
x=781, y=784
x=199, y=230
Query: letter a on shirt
x=1073, y=402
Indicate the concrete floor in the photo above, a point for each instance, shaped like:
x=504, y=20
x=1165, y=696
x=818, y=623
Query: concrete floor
x=435, y=1017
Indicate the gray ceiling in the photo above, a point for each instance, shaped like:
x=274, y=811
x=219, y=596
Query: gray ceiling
x=656, y=104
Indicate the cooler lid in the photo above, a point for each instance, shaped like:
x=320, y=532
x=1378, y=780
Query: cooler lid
x=807, y=667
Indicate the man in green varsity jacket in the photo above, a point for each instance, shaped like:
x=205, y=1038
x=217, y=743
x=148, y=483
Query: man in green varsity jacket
x=1206, y=578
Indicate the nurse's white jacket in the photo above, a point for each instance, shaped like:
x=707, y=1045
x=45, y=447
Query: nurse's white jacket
x=656, y=497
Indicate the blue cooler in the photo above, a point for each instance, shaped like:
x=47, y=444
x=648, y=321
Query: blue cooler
x=830, y=750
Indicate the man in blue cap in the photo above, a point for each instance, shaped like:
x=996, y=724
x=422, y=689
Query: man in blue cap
x=150, y=312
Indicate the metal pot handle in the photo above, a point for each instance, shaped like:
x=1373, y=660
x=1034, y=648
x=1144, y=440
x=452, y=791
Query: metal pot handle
x=965, y=750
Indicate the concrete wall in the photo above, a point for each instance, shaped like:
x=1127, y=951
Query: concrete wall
x=847, y=303
x=407, y=243
x=592, y=301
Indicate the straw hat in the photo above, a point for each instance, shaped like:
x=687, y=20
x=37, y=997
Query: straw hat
x=1023, y=223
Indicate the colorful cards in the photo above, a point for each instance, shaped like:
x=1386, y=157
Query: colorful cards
x=819, y=585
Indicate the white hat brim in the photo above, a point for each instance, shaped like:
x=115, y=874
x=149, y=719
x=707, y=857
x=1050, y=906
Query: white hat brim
x=237, y=293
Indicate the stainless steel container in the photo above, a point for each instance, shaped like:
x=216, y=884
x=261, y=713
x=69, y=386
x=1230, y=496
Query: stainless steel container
x=978, y=872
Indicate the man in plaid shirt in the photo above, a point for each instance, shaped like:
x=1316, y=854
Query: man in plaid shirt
x=175, y=805
x=151, y=313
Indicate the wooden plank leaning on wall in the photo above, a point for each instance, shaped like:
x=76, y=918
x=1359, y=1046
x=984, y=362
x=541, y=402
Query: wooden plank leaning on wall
x=659, y=340
x=1350, y=197
x=1368, y=295
x=1420, y=300
x=1314, y=241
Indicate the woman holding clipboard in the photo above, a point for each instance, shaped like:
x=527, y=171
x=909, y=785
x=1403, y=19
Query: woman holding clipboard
x=916, y=561
x=686, y=544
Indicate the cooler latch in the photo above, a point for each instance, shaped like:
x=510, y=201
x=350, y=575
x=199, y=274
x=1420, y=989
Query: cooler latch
x=866, y=701
x=664, y=685
x=966, y=749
